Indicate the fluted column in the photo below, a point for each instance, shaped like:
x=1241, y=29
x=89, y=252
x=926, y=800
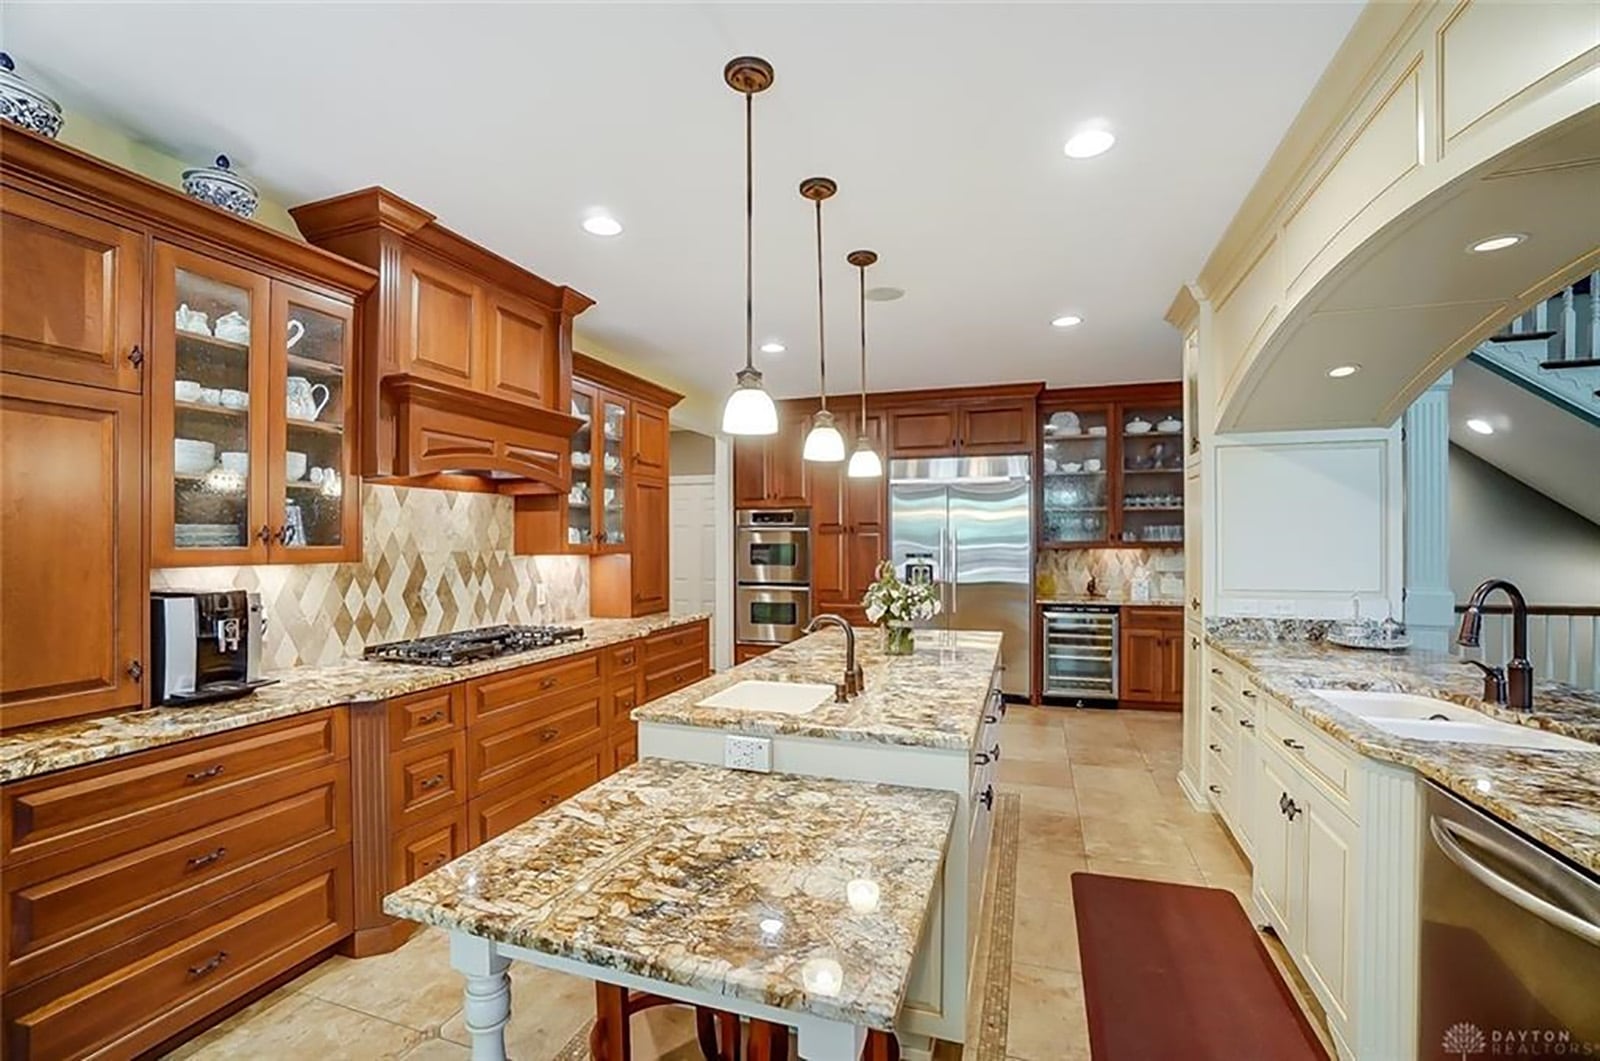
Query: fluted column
x=1430, y=603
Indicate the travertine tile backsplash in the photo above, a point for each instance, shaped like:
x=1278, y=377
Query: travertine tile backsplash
x=1065, y=571
x=432, y=561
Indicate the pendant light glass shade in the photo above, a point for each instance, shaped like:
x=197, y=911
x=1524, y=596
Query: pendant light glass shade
x=749, y=409
x=824, y=444
x=864, y=462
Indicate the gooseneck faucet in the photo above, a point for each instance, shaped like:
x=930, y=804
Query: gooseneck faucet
x=1511, y=685
x=854, y=681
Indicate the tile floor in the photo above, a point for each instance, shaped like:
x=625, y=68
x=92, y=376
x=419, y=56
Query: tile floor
x=1099, y=792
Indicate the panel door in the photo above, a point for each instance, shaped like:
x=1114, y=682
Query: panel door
x=609, y=496
x=830, y=530
x=923, y=431
x=72, y=620
x=865, y=513
x=1000, y=428
x=1275, y=848
x=210, y=429
x=786, y=469
x=1172, y=669
x=1143, y=665
x=440, y=310
x=749, y=472
x=1327, y=919
x=312, y=445
x=522, y=352
x=651, y=440
x=1245, y=780
x=71, y=295
x=580, y=508
x=647, y=510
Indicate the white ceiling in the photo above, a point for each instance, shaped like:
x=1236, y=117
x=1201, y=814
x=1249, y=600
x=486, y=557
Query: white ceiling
x=1539, y=443
x=943, y=125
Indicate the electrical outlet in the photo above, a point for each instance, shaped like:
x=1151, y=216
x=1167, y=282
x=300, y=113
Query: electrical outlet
x=747, y=753
x=541, y=595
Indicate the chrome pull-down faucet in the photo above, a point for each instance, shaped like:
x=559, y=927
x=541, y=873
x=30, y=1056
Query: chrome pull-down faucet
x=1511, y=686
x=854, y=680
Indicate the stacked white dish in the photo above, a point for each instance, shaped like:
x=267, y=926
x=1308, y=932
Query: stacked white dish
x=193, y=456
x=207, y=535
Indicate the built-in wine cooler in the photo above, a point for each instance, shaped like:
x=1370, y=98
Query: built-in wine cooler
x=1080, y=652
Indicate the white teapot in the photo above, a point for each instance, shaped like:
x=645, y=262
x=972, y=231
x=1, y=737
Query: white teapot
x=301, y=401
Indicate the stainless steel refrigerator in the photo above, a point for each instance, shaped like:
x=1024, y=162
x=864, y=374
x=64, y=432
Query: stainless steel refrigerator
x=971, y=518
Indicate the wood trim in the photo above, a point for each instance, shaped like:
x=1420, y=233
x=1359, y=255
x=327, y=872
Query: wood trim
x=64, y=171
x=887, y=399
x=446, y=397
x=614, y=378
x=1122, y=393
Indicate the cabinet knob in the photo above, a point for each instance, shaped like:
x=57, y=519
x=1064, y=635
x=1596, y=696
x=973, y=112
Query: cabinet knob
x=547, y=735
x=264, y=535
x=1194, y=602
x=286, y=535
x=988, y=797
x=548, y=683
x=135, y=670
x=136, y=356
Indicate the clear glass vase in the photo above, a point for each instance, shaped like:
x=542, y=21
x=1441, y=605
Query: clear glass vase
x=897, y=639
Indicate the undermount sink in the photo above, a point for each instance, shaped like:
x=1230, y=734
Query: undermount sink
x=783, y=698
x=1424, y=718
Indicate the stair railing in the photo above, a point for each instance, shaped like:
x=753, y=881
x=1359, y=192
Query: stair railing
x=1563, y=640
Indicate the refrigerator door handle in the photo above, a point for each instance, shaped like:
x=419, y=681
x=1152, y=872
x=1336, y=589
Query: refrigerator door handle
x=955, y=570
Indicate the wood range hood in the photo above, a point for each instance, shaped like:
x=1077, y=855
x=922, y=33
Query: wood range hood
x=465, y=357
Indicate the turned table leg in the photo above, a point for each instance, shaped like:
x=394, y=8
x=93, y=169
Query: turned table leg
x=487, y=1006
x=612, y=1039
x=767, y=1042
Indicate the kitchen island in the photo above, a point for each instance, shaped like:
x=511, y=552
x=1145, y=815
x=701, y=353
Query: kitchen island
x=790, y=901
x=928, y=720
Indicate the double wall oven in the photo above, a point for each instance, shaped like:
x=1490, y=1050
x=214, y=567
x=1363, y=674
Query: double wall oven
x=772, y=548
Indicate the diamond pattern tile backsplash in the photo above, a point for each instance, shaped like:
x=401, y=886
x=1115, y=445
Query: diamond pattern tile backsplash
x=432, y=561
x=1068, y=571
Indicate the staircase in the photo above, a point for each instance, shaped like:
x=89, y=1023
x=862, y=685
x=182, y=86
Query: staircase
x=1553, y=349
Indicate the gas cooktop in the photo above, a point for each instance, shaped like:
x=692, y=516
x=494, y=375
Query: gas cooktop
x=468, y=646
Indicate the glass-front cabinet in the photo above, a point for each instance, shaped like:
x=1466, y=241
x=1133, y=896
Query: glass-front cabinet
x=1152, y=473
x=1076, y=476
x=596, y=518
x=251, y=446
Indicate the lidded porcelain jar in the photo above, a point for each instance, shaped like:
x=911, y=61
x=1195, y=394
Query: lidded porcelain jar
x=22, y=104
x=220, y=186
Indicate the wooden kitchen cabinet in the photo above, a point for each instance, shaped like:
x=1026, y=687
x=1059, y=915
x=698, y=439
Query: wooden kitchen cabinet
x=769, y=471
x=1152, y=657
x=71, y=295
x=650, y=586
x=253, y=435
x=652, y=434
x=72, y=628
x=964, y=422
x=848, y=527
x=925, y=431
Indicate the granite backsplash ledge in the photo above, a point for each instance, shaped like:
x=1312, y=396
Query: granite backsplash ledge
x=433, y=561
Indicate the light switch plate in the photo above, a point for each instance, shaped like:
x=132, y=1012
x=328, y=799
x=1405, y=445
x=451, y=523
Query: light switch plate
x=541, y=595
x=747, y=753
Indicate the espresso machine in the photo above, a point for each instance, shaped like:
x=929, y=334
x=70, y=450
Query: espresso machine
x=206, y=645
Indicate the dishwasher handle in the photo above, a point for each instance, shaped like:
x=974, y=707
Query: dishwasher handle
x=1448, y=836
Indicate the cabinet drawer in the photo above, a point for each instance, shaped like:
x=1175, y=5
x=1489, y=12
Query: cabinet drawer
x=673, y=677
x=157, y=794
x=126, y=1000
x=675, y=641
x=1311, y=755
x=57, y=913
x=624, y=751
x=513, y=804
x=623, y=699
x=426, y=779
x=424, y=847
x=425, y=715
x=498, y=756
x=623, y=658
x=504, y=694
x=1147, y=617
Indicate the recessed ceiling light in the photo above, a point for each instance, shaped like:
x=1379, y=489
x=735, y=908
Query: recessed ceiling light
x=1069, y=321
x=1480, y=425
x=1498, y=243
x=1341, y=371
x=602, y=225
x=1087, y=143
x=885, y=294
x=773, y=347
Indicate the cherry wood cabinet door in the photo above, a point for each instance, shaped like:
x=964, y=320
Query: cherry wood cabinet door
x=71, y=295
x=786, y=468
x=71, y=547
x=647, y=511
x=998, y=428
x=924, y=431
x=749, y=472
x=440, y=311
x=830, y=528
x=866, y=514
x=1143, y=665
x=1173, y=670
x=651, y=440
x=522, y=352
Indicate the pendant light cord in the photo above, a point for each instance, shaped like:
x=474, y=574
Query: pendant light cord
x=863, y=271
x=749, y=224
x=822, y=332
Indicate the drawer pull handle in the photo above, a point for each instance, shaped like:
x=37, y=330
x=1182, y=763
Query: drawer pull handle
x=990, y=756
x=548, y=683
x=1217, y=671
x=1283, y=802
x=1247, y=724
x=207, y=774
x=549, y=734
x=431, y=717
x=1215, y=747
x=626, y=658
x=1248, y=695
x=991, y=719
x=988, y=797
x=208, y=966
x=1215, y=710
x=1215, y=789
x=1291, y=743
x=207, y=858
x=547, y=801
x=1292, y=811
x=431, y=782
x=430, y=863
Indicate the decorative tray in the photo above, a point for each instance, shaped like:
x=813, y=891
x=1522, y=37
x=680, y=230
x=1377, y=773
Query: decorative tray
x=1373, y=640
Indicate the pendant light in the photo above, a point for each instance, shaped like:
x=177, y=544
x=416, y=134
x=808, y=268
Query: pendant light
x=749, y=409
x=824, y=444
x=864, y=462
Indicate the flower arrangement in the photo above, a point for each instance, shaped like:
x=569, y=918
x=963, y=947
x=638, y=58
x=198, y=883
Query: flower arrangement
x=897, y=604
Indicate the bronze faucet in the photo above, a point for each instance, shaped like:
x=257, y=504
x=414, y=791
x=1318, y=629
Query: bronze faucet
x=1511, y=685
x=854, y=681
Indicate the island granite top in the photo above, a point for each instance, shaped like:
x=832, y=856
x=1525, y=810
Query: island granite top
x=1551, y=795
x=74, y=742
x=803, y=893
x=934, y=698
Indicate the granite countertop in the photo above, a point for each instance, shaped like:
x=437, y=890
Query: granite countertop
x=802, y=893
x=1120, y=602
x=57, y=745
x=934, y=698
x=1551, y=795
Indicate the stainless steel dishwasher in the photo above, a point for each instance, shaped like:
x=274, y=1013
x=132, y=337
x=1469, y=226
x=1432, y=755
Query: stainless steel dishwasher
x=1510, y=942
